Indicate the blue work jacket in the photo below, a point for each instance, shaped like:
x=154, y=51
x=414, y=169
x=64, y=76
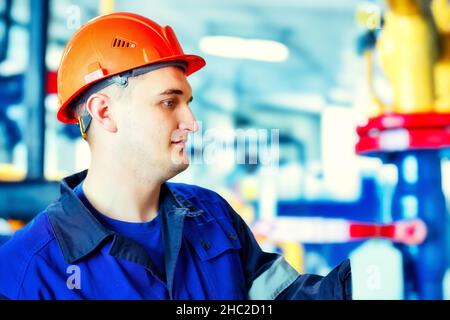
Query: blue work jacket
x=209, y=253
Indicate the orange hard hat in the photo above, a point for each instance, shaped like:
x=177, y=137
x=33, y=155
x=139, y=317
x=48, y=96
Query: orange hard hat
x=110, y=45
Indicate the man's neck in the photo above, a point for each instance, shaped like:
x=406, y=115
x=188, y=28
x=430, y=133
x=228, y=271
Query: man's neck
x=122, y=197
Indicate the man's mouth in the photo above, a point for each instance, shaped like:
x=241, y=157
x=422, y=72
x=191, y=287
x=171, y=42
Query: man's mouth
x=179, y=139
x=180, y=143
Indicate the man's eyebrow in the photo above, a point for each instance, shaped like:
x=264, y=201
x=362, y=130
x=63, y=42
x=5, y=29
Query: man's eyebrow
x=175, y=91
x=171, y=91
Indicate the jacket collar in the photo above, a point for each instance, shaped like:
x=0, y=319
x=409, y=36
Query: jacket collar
x=79, y=233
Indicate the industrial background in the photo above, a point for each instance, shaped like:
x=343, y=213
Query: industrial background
x=360, y=94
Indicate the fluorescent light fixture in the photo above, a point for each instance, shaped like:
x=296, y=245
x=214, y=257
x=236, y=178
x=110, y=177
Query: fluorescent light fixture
x=240, y=48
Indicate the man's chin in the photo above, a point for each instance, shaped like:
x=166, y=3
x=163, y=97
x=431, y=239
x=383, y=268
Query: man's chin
x=179, y=164
x=181, y=167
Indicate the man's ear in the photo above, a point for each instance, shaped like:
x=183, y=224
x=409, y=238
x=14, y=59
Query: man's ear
x=99, y=107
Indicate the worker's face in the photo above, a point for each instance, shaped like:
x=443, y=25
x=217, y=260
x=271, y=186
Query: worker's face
x=154, y=124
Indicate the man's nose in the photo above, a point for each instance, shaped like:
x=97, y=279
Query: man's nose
x=188, y=121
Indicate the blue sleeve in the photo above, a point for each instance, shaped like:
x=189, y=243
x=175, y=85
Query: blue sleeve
x=266, y=274
x=336, y=285
x=269, y=276
x=255, y=260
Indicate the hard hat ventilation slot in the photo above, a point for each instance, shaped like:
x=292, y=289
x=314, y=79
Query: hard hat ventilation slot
x=120, y=43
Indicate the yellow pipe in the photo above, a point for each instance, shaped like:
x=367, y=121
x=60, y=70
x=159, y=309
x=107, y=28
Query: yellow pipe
x=404, y=7
x=407, y=52
x=441, y=14
x=106, y=6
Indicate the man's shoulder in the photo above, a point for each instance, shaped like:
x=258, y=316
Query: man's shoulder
x=30, y=238
x=18, y=252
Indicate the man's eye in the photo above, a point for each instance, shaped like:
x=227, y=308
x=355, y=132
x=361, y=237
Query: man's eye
x=168, y=103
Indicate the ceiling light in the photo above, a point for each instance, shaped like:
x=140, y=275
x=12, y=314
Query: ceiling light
x=241, y=48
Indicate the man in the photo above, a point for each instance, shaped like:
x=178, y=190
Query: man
x=119, y=230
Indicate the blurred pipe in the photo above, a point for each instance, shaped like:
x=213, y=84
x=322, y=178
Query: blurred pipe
x=106, y=7
x=419, y=195
x=5, y=40
x=404, y=7
x=368, y=54
x=325, y=230
x=23, y=200
x=35, y=89
x=441, y=13
x=407, y=52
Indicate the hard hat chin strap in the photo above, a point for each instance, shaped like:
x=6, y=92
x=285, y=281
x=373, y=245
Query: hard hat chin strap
x=122, y=81
x=84, y=121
